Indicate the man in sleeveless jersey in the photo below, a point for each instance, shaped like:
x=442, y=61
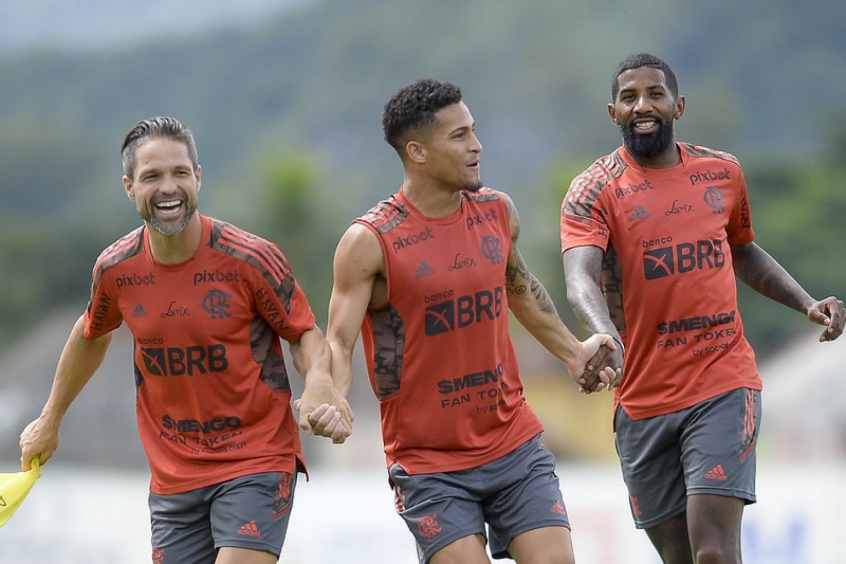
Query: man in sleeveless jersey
x=653, y=236
x=206, y=303
x=428, y=277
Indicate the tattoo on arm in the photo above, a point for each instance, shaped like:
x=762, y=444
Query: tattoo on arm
x=516, y=276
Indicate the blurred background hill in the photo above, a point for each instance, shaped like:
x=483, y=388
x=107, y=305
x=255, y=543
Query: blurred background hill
x=285, y=100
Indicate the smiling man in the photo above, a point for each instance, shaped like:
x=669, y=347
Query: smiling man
x=653, y=237
x=207, y=304
x=428, y=277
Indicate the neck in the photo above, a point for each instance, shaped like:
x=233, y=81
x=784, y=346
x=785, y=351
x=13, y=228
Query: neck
x=173, y=249
x=430, y=198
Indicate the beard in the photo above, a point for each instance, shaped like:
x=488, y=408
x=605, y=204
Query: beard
x=170, y=229
x=648, y=146
x=473, y=185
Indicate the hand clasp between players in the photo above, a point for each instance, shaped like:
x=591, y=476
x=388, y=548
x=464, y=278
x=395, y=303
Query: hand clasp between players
x=603, y=368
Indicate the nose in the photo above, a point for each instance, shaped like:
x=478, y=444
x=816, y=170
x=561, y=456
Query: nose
x=642, y=105
x=476, y=146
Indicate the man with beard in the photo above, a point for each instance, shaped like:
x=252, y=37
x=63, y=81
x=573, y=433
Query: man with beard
x=652, y=237
x=206, y=303
x=428, y=277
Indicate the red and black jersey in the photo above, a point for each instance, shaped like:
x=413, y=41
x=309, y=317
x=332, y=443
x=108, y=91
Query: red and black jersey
x=439, y=353
x=212, y=389
x=668, y=273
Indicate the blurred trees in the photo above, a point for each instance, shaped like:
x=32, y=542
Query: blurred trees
x=287, y=121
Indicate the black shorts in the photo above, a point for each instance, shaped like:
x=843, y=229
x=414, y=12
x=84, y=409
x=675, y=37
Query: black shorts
x=517, y=493
x=248, y=512
x=706, y=449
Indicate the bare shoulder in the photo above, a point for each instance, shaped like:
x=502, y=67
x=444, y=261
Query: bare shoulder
x=360, y=249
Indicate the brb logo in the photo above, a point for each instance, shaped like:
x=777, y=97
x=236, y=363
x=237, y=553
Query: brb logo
x=463, y=311
x=188, y=361
x=682, y=257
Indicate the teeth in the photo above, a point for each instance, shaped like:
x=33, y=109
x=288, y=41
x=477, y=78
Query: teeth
x=168, y=205
x=645, y=124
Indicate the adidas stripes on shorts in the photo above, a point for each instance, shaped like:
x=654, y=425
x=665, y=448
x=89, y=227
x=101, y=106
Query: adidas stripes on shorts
x=706, y=449
x=248, y=512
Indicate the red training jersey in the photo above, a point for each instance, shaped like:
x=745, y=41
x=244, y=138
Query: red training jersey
x=212, y=389
x=668, y=275
x=438, y=352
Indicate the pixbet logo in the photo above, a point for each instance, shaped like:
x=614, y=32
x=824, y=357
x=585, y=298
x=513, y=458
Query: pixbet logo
x=709, y=176
x=206, y=277
x=135, y=279
x=410, y=240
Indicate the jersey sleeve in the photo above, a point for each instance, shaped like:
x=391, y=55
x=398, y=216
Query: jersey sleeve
x=583, y=214
x=102, y=314
x=281, y=301
x=739, y=230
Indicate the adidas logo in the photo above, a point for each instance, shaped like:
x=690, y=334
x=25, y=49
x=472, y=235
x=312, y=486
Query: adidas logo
x=639, y=213
x=139, y=311
x=558, y=508
x=716, y=473
x=423, y=270
x=250, y=530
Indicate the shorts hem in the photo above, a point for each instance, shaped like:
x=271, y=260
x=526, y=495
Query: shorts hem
x=746, y=496
x=260, y=548
x=655, y=521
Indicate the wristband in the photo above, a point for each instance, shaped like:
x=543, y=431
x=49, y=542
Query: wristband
x=619, y=343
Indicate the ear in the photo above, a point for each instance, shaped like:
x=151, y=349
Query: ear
x=612, y=112
x=127, y=185
x=416, y=152
x=199, y=174
x=679, y=108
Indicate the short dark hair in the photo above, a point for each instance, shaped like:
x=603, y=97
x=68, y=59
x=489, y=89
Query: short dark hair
x=160, y=126
x=639, y=60
x=413, y=109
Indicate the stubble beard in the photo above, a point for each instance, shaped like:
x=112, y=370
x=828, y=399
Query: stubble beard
x=172, y=230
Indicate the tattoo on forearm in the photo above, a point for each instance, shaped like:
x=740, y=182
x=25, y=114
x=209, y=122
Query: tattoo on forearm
x=520, y=272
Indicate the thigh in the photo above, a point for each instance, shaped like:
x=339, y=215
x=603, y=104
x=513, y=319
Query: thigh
x=252, y=512
x=713, y=523
x=550, y=545
x=650, y=459
x=525, y=496
x=718, y=445
x=440, y=509
x=180, y=529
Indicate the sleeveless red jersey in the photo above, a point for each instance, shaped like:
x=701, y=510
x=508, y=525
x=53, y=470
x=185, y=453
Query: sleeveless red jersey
x=212, y=389
x=667, y=235
x=439, y=354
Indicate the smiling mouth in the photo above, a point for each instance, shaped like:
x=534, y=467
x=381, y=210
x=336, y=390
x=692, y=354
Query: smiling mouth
x=168, y=208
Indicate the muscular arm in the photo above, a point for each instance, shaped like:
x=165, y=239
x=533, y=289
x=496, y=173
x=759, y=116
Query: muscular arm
x=534, y=309
x=358, y=271
x=761, y=272
x=582, y=270
x=78, y=362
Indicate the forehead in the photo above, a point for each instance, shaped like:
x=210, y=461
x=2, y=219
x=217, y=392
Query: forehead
x=454, y=116
x=160, y=152
x=641, y=78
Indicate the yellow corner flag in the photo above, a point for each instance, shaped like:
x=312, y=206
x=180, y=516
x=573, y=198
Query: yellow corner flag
x=14, y=488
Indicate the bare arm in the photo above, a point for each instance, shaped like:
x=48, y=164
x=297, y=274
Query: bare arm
x=582, y=271
x=761, y=272
x=78, y=362
x=534, y=309
x=323, y=410
x=358, y=271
